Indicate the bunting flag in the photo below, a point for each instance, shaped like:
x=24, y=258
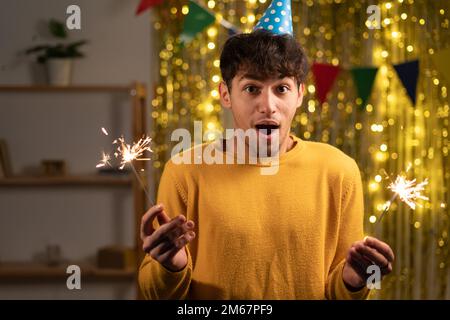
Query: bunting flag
x=147, y=4
x=324, y=76
x=442, y=63
x=408, y=72
x=195, y=21
x=199, y=17
x=364, y=79
x=232, y=30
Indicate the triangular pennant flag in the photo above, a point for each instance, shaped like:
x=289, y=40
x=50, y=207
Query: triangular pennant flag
x=324, y=76
x=146, y=4
x=408, y=72
x=277, y=18
x=232, y=29
x=442, y=63
x=195, y=21
x=364, y=79
x=232, y=32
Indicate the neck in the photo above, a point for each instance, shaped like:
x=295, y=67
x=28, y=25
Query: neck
x=288, y=145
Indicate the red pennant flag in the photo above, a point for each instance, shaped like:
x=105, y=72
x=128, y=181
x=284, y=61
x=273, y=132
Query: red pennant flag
x=145, y=4
x=324, y=75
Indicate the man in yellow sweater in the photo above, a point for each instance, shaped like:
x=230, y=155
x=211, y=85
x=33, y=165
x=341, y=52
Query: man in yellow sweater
x=226, y=231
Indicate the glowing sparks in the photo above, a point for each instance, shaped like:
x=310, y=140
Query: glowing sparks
x=104, y=161
x=128, y=153
x=408, y=191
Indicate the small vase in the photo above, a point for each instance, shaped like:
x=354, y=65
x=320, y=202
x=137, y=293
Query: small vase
x=59, y=71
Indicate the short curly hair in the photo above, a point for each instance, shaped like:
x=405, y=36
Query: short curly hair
x=263, y=55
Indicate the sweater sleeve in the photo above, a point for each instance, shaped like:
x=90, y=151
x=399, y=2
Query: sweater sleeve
x=350, y=230
x=155, y=281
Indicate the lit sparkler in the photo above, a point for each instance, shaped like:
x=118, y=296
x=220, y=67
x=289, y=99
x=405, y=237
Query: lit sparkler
x=104, y=131
x=104, y=161
x=407, y=190
x=127, y=154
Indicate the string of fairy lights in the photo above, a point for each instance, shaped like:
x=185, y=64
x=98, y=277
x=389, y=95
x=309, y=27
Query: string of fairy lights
x=383, y=136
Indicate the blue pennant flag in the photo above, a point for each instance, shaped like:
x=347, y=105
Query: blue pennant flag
x=408, y=72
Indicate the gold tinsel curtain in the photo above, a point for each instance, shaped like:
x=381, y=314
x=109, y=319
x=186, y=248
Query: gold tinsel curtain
x=384, y=135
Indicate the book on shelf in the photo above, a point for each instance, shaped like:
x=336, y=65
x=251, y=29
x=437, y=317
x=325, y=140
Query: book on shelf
x=2, y=173
x=5, y=160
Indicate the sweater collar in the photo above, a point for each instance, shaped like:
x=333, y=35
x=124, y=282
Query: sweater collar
x=299, y=144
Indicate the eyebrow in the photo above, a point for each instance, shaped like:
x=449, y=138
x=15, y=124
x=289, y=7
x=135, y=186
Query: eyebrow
x=253, y=77
x=249, y=77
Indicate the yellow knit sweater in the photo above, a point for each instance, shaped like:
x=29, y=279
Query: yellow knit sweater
x=282, y=236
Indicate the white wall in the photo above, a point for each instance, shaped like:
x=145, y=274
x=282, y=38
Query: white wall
x=119, y=42
x=67, y=126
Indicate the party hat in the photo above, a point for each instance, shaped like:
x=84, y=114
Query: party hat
x=277, y=18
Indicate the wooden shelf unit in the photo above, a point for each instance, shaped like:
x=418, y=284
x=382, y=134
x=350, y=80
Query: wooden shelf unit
x=71, y=88
x=27, y=271
x=138, y=95
x=81, y=180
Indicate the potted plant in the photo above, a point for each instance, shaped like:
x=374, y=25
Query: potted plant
x=58, y=58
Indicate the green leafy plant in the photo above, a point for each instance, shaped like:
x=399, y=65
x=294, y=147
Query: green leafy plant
x=59, y=50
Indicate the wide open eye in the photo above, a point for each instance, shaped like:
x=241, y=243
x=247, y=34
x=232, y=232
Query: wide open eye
x=283, y=89
x=251, y=89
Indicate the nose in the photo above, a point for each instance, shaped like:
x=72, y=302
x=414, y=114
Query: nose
x=266, y=103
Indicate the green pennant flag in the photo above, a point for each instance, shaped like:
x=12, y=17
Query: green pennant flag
x=195, y=21
x=364, y=79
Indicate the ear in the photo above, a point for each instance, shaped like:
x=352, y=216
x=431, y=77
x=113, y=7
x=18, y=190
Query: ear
x=225, y=97
x=301, y=92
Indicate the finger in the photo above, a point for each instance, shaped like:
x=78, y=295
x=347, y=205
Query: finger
x=163, y=232
x=381, y=246
x=146, y=244
x=158, y=250
x=386, y=269
x=155, y=250
x=147, y=221
x=359, y=262
x=363, y=258
x=358, y=269
x=180, y=230
x=179, y=244
x=360, y=259
x=169, y=237
x=373, y=255
x=357, y=265
x=163, y=218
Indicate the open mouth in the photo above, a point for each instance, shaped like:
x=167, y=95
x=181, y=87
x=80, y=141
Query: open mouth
x=267, y=129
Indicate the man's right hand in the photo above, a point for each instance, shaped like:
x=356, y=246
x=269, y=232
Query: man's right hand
x=165, y=244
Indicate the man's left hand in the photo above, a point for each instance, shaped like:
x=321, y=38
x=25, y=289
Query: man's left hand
x=363, y=254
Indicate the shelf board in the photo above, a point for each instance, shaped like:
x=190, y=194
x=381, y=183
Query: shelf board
x=71, y=88
x=20, y=271
x=79, y=180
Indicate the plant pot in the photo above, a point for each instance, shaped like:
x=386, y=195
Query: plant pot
x=59, y=71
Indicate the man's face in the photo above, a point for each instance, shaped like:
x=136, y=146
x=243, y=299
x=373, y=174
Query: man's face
x=263, y=104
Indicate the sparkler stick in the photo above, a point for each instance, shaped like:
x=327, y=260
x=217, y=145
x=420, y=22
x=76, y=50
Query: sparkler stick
x=142, y=184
